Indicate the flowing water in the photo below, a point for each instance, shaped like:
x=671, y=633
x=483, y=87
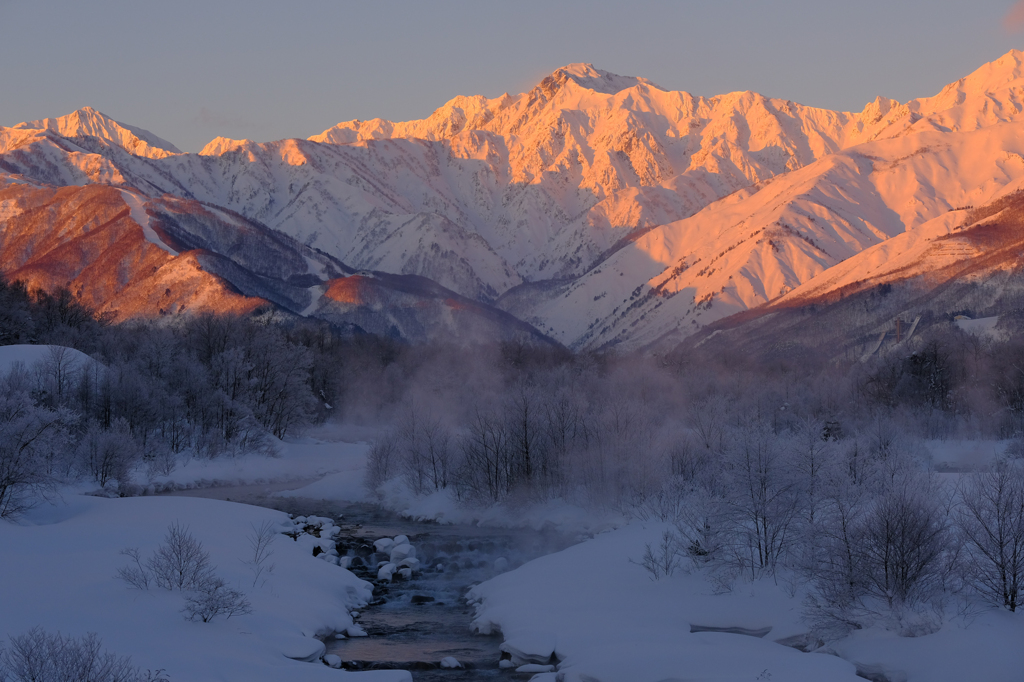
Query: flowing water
x=413, y=624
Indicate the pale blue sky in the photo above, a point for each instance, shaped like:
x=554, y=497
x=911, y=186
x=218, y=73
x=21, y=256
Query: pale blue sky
x=189, y=70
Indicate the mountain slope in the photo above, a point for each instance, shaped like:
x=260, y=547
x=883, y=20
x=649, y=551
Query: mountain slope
x=752, y=248
x=89, y=122
x=130, y=256
x=602, y=209
x=966, y=263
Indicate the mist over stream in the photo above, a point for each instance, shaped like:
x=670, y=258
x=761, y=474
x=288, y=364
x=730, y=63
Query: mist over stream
x=414, y=624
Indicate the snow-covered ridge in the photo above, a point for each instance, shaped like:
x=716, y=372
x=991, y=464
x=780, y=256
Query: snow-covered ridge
x=657, y=211
x=598, y=80
x=88, y=121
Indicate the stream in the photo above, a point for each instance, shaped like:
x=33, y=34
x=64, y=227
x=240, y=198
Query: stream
x=414, y=624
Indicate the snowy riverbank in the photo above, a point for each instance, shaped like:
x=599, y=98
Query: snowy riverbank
x=601, y=617
x=59, y=574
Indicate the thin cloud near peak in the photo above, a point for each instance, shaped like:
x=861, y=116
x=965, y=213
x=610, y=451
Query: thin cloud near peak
x=1013, y=20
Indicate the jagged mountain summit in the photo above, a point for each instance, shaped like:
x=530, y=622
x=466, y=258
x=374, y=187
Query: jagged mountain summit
x=87, y=122
x=601, y=209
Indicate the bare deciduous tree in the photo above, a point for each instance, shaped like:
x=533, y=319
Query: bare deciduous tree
x=30, y=437
x=180, y=562
x=991, y=519
x=903, y=540
x=213, y=598
x=260, y=540
x=764, y=495
x=381, y=461
x=135, y=573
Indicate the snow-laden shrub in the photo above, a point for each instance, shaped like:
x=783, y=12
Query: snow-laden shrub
x=661, y=561
x=181, y=563
x=214, y=598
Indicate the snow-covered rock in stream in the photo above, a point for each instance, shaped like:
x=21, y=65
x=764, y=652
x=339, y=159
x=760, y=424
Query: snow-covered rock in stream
x=384, y=545
x=450, y=662
x=402, y=551
x=386, y=572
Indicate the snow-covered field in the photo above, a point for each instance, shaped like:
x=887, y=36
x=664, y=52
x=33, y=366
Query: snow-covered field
x=592, y=610
x=59, y=573
x=604, y=619
x=333, y=469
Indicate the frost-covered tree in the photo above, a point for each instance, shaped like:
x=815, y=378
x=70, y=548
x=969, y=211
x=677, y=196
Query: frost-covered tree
x=108, y=454
x=904, y=540
x=180, y=562
x=213, y=598
x=991, y=521
x=763, y=494
x=31, y=439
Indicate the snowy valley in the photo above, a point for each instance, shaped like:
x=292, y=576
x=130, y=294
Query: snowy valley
x=598, y=382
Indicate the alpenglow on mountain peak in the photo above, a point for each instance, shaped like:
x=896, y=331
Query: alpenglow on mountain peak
x=599, y=208
x=598, y=80
x=89, y=122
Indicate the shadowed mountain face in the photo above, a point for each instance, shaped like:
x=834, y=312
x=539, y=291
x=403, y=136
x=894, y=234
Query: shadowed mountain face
x=598, y=209
x=129, y=256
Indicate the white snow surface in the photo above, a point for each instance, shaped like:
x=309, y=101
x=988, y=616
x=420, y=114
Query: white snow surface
x=138, y=212
x=983, y=326
x=442, y=507
x=320, y=469
x=58, y=573
x=30, y=355
x=88, y=121
x=598, y=612
x=605, y=620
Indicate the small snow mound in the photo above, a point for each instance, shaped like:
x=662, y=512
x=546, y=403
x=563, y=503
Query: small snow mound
x=450, y=662
x=332, y=661
x=303, y=649
x=535, y=668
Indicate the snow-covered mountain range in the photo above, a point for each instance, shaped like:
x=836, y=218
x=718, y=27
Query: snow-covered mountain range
x=600, y=209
